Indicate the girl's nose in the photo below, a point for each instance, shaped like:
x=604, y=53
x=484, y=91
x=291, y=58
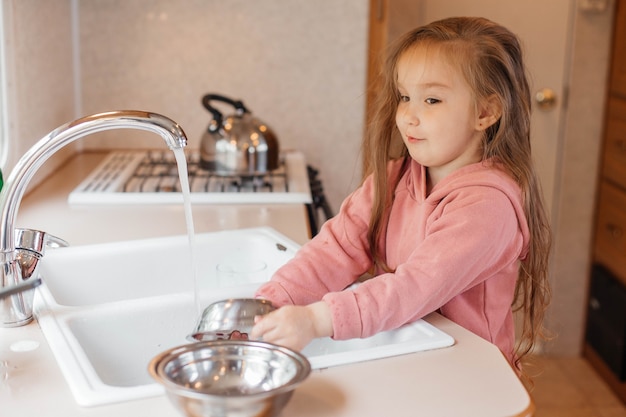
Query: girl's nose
x=409, y=116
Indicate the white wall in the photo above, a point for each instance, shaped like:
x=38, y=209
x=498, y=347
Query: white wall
x=39, y=89
x=299, y=65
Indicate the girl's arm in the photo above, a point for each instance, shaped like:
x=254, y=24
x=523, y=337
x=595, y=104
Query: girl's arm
x=331, y=261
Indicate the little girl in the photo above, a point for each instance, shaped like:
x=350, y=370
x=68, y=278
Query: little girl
x=450, y=217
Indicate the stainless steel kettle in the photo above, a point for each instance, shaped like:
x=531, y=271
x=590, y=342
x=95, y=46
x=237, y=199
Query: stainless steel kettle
x=239, y=144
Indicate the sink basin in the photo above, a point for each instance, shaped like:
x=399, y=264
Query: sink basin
x=107, y=309
x=103, y=273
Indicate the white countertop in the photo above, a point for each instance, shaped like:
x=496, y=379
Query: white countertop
x=471, y=378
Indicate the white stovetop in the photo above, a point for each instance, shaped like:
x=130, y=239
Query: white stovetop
x=106, y=182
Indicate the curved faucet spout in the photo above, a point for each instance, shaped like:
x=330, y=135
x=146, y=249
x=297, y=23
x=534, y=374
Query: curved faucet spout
x=27, y=166
x=17, y=182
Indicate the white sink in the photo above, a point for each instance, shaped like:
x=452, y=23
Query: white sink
x=107, y=309
x=103, y=273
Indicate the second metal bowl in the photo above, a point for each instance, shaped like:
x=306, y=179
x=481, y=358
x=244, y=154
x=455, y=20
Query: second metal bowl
x=232, y=318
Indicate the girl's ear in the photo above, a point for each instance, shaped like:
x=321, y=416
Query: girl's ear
x=489, y=112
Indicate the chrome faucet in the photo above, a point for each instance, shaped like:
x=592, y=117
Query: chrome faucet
x=17, y=310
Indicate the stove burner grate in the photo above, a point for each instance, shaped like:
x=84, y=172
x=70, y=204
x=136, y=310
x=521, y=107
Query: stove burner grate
x=150, y=176
x=158, y=172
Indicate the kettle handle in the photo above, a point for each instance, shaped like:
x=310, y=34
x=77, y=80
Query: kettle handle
x=217, y=115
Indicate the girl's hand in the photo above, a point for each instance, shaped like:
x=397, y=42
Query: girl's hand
x=294, y=326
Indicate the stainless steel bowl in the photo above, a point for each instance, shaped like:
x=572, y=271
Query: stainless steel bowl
x=234, y=378
x=220, y=319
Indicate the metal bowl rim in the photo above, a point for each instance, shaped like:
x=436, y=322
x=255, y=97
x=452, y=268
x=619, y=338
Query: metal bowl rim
x=242, y=299
x=233, y=301
x=155, y=368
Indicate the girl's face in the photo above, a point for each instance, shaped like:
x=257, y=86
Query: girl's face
x=437, y=117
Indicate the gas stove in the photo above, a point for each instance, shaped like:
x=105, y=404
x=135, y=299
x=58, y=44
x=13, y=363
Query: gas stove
x=151, y=177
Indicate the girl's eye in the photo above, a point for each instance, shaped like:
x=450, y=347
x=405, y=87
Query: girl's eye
x=404, y=98
x=431, y=100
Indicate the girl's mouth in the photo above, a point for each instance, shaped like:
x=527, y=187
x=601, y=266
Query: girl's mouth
x=412, y=139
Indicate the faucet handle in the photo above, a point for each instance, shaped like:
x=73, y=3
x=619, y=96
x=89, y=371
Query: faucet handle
x=37, y=241
x=21, y=275
x=55, y=242
x=30, y=246
x=18, y=288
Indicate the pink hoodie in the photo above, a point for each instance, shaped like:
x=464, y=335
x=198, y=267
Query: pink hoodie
x=456, y=250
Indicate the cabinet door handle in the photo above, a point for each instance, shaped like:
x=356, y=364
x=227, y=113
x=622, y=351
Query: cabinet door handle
x=620, y=145
x=614, y=230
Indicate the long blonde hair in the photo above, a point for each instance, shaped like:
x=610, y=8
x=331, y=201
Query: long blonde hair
x=490, y=58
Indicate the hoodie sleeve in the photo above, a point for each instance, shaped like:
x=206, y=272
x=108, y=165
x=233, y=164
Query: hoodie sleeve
x=331, y=261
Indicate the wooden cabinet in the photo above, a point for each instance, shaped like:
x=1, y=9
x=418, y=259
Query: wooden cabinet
x=610, y=236
x=614, y=155
x=618, y=67
x=605, y=344
x=610, y=232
